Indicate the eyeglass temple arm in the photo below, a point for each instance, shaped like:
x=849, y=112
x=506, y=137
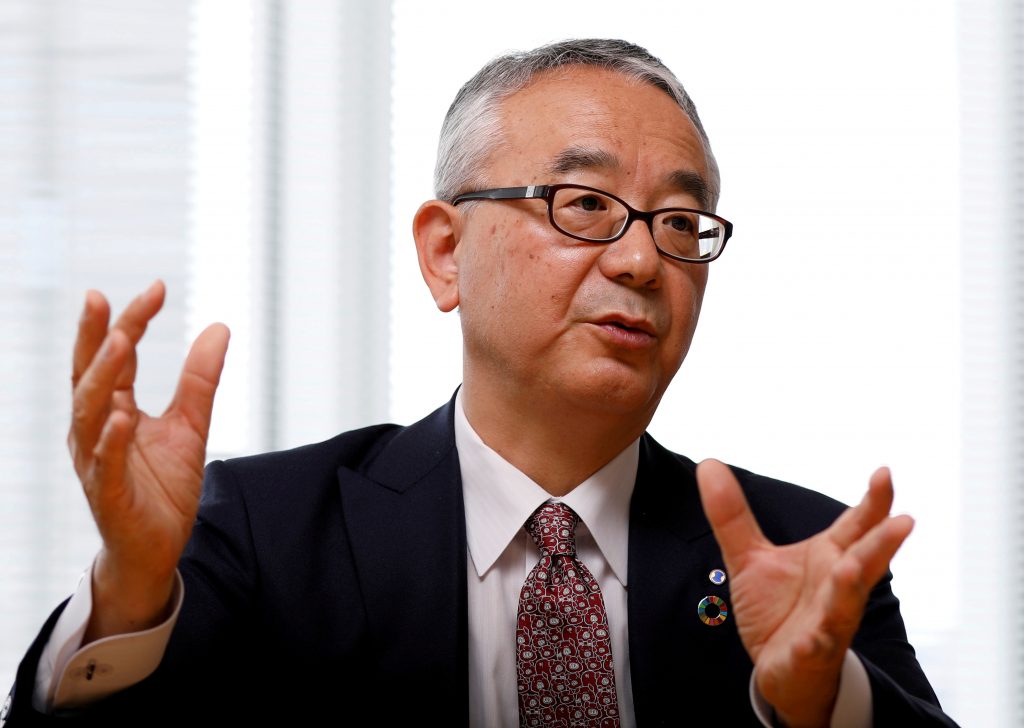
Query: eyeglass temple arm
x=507, y=193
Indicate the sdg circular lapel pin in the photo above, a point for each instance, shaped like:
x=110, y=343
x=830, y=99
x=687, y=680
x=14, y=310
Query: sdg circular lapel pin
x=712, y=610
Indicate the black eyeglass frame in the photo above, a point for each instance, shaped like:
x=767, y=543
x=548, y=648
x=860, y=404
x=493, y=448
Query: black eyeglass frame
x=547, y=193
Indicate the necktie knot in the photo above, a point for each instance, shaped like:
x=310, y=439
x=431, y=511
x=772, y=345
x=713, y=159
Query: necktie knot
x=553, y=528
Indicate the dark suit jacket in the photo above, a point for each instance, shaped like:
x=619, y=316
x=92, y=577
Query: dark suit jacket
x=333, y=577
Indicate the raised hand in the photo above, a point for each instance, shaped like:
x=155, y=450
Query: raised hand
x=798, y=606
x=141, y=475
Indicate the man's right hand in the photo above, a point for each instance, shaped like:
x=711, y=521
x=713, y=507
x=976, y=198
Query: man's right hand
x=142, y=475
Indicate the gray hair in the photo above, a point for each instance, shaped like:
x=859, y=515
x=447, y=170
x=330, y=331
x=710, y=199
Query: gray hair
x=472, y=126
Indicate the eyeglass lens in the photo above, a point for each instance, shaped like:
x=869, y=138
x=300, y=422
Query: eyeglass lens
x=598, y=217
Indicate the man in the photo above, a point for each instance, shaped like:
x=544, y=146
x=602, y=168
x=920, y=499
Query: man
x=386, y=576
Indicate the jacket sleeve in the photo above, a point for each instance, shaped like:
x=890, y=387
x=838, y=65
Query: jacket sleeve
x=901, y=694
x=218, y=570
x=17, y=708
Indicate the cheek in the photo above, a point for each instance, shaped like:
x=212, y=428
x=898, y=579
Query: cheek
x=690, y=282
x=699, y=282
x=686, y=308
x=572, y=278
x=533, y=273
x=501, y=277
x=695, y=301
x=523, y=280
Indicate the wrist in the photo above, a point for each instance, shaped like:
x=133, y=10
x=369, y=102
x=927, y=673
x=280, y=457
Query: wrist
x=126, y=600
x=803, y=702
x=802, y=721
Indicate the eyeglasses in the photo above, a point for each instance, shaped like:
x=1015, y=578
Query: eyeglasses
x=589, y=214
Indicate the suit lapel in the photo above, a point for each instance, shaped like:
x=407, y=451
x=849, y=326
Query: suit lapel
x=406, y=522
x=678, y=664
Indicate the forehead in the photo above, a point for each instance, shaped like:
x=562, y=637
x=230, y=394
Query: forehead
x=585, y=121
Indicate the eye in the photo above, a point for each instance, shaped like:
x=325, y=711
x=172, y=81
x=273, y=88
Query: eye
x=680, y=223
x=589, y=203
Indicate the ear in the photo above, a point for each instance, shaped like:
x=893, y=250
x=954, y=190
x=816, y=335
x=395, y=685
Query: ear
x=437, y=228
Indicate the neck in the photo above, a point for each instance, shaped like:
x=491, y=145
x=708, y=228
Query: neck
x=555, y=444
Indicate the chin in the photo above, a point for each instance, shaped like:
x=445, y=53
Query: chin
x=613, y=394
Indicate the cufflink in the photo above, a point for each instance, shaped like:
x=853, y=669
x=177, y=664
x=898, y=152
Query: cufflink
x=712, y=611
x=90, y=670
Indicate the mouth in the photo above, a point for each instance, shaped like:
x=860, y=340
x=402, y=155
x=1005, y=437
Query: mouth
x=628, y=325
x=626, y=332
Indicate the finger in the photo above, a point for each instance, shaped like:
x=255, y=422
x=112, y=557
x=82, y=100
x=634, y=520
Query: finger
x=133, y=322
x=873, y=507
x=875, y=550
x=860, y=568
x=91, y=402
x=200, y=377
x=124, y=400
x=726, y=508
x=137, y=314
x=110, y=453
x=92, y=328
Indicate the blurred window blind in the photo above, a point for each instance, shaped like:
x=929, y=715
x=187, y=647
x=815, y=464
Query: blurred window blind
x=1015, y=384
x=988, y=659
x=237, y=149
x=94, y=155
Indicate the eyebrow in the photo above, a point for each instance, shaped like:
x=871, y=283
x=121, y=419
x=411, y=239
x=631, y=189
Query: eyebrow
x=692, y=184
x=576, y=158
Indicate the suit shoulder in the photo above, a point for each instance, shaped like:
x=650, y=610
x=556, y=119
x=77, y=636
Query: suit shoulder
x=288, y=478
x=353, y=449
x=381, y=453
x=785, y=512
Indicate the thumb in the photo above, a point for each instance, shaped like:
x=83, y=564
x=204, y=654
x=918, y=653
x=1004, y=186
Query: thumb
x=726, y=508
x=200, y=377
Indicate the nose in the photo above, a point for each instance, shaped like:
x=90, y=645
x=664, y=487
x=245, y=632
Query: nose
x=634, y=259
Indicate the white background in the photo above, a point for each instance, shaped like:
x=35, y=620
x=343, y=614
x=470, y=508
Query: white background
x=829, y=338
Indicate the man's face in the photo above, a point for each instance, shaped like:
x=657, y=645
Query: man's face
x=602, y=327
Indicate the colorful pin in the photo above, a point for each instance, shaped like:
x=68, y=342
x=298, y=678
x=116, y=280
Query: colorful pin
x=712, y=611
x=717, y=577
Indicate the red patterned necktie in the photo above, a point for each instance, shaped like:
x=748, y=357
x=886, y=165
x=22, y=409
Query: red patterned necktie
x=563, y=648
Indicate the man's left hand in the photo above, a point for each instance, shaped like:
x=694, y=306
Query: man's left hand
x=798, y=606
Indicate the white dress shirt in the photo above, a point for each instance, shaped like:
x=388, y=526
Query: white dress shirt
x=498, y=500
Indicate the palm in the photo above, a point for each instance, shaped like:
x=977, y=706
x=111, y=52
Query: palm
x=797, y=577
x=163, y=473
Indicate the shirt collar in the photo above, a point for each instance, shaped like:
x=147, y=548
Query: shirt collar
x=499, y=498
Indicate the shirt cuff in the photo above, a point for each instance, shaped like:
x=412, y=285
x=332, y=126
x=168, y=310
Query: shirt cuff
x=71, y=676
x=853, y=708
